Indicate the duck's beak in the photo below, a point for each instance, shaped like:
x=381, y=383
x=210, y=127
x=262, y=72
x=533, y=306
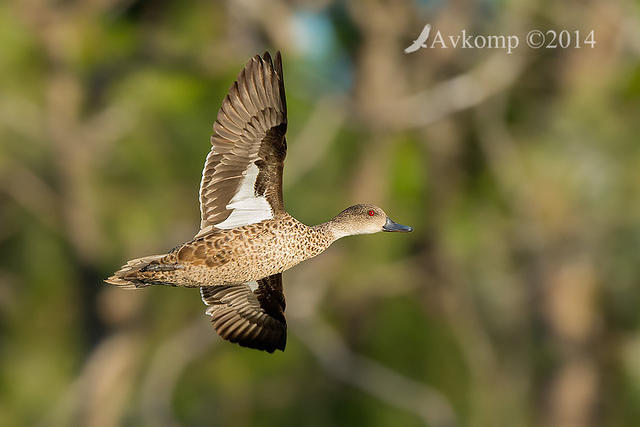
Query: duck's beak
x=392, y=226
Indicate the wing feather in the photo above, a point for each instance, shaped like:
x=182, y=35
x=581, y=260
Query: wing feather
x=249, y=132
x=252, y=319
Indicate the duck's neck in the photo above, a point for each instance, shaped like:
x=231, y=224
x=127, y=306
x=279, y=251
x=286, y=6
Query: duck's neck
x=322, y=236
x=324, y=231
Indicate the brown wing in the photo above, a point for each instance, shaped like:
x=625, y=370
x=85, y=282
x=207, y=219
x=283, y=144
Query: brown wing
x=242, y=176
x=251, y=318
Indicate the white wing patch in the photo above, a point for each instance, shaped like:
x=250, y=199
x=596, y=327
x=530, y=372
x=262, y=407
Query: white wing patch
x=245, y=207
x=202, y=296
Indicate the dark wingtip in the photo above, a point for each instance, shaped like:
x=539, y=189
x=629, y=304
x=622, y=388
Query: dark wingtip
x=280, y=73
x=270, y=347
x=283, y=343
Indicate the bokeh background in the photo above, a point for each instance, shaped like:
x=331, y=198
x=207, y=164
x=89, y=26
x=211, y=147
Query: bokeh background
x=515, y=302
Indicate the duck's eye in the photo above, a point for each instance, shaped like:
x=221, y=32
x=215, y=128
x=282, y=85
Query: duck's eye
x=371, y=213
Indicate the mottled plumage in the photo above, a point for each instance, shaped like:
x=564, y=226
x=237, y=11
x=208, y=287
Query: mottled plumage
x=246, y=238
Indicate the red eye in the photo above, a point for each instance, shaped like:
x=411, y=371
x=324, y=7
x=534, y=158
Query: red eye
x=371, y=213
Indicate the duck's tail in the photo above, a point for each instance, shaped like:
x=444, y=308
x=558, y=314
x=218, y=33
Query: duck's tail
x=141, y=272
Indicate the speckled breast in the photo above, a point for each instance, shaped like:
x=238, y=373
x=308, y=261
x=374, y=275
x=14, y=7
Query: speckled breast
x=250, y=252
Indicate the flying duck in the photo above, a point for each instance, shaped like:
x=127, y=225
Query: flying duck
x=247, y=238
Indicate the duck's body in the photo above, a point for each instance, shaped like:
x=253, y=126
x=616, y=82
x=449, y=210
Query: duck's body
x=239, y=255
x=246, y=238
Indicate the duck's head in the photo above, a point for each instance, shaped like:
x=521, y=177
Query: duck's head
x=364, y=219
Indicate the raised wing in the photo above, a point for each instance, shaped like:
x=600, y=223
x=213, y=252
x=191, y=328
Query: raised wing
x=242, y=176
x=424, y=34
x=250, y=314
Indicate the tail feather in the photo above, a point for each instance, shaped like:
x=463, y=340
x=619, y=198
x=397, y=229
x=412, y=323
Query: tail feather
x=132, y=274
